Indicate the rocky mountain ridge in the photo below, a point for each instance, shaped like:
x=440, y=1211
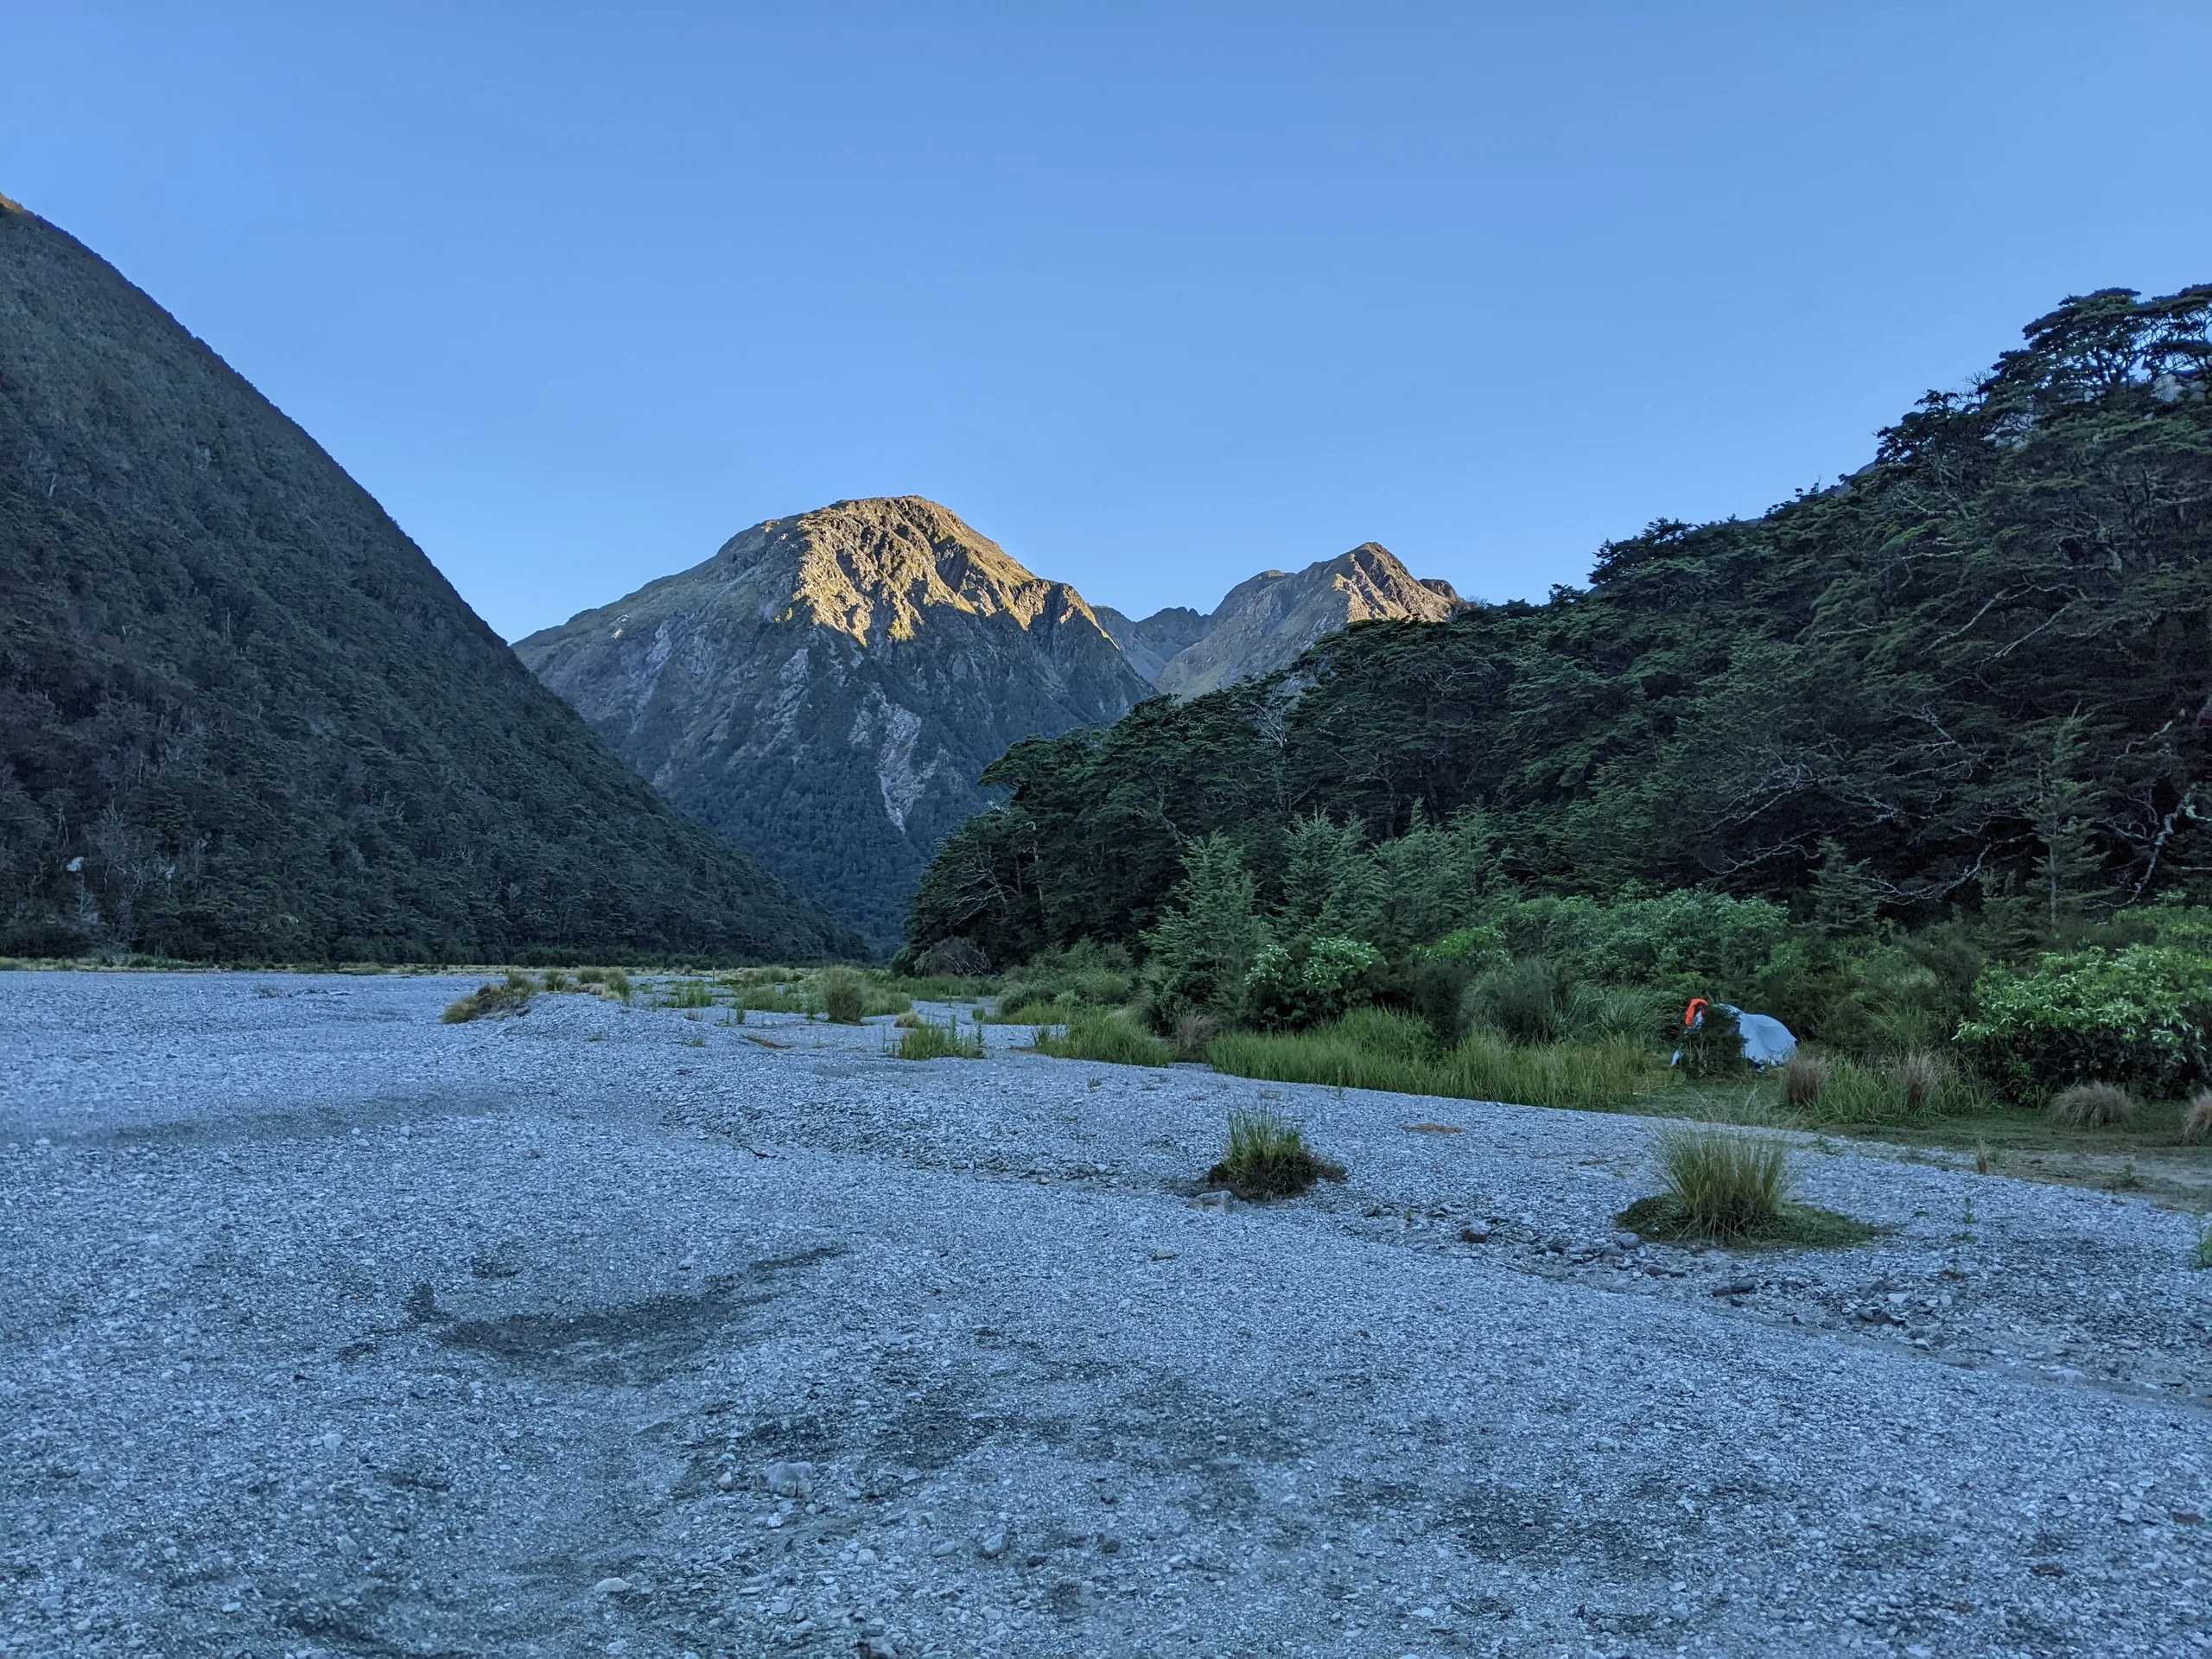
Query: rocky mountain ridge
x=828, y=688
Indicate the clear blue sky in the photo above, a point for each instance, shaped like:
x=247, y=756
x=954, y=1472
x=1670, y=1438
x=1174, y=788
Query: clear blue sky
x=1155, y=296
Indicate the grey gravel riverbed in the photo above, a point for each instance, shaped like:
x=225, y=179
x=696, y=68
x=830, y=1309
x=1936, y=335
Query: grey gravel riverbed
x=330, y=1330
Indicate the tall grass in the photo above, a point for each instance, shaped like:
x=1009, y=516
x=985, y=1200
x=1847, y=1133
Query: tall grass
x=1105, y=1035
x=1267, y=1157
x=931, y=1041
x=1724, y=1185
x=844, y=995
x=1373, y=1049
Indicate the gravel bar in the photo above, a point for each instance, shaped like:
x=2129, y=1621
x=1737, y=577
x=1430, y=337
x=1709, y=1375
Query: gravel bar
x=329, y=1329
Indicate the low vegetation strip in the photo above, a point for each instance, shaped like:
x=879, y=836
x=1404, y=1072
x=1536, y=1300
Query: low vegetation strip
x=1372, y=1049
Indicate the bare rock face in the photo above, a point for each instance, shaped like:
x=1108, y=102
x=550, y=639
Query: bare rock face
x=1266, y=623
x=827, y=690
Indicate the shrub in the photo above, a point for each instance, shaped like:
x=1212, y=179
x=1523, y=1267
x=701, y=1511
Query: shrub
x=844, y=995
x=930, y=1041
x=1085, y=974
x=1100, y=1034
x=1318, y=980
x=1206, y=941
x=2092, y=1105
x=1920, y=1080
x=511, y=998
x=953, y=958
x=2196, y=1120
x=2140, y=1015
x=1525, y=1001
x=1268, y=1158
x=1713, y=1047
x=1681, y=941
x=1803, y=1078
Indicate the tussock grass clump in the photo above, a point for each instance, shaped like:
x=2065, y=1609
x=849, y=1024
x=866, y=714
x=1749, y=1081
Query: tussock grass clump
x=1194, y=1036
x=554, y=980
x=1103, y=1035
x=606, y=982
x=1371, y=1048
x=930, y=1041
x=1920, y=1080
x=844, y=995
x=486, y=1001
x=2196, y=1119
x=907, y=1021
x=2092, y=1105
x=1727, y=1188
x=1267, y=1158
x=1803, y=1079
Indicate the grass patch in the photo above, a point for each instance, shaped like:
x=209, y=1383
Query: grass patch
x=1722, y=1188
x=844, y=995
x=1096, y=1034
x=2092, y=1106
x=1267, y=1158
x=1372, y=1049
x=685, y=994
x=487, y=1001
x=930, y=1041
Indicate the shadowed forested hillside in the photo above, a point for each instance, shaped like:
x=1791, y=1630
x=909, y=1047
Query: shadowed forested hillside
x=242, y=716
x=1980, y=668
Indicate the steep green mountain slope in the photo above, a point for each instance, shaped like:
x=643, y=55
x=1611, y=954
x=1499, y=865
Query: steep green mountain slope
x=242, y=716
x=827, y=689
x=1982, y=666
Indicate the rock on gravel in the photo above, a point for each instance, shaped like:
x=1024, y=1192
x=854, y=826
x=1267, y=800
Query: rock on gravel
x=325, y=1329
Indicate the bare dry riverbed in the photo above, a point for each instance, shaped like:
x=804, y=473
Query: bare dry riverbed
x=325, y=1329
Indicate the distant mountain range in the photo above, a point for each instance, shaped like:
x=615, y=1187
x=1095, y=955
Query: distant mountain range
x=827, y=690
x=242, y=717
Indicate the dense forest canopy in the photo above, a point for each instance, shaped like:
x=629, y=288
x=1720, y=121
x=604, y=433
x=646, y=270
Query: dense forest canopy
x=1979, y=669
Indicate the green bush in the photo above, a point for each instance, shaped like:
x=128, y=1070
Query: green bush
x=1683, y=941
x=2142, y=1015
x=1315, y=980
x=1204, y=945
x=1713, y=1048
x=1267, y=1158
x=1103, y=1034
x=1085, y=976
